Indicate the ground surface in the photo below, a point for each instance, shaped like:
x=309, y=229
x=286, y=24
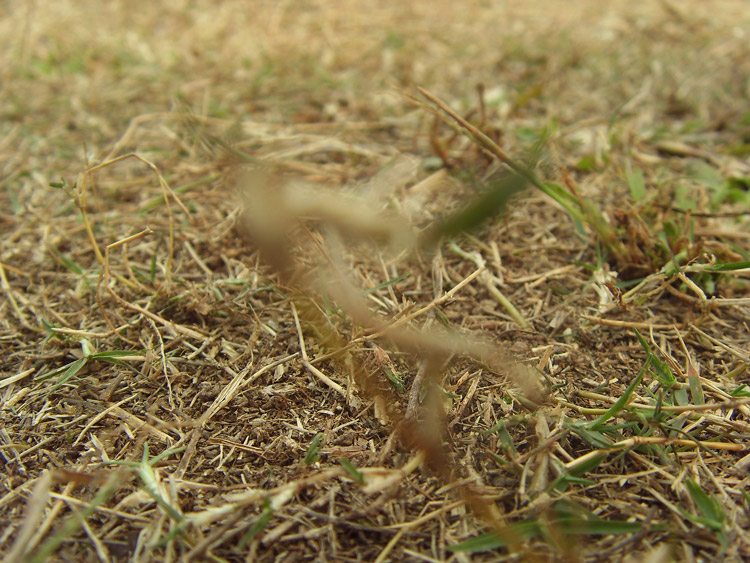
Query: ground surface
x=156, y=404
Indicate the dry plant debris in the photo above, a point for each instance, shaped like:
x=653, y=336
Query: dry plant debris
x=254, y=306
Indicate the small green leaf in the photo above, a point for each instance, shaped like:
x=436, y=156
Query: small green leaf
x=51, y=333
x=599, y=527
x=681, y=397
x=72, y=369
x=499, y=459
x=442, y=317
x=682, y=198
x=52, y=373
x=528, y=134
x=506, y=441
x=561, y=483
x=149, y=480
x=587, y=163
x=573, y=475
x=712, y=179
x=87, y=348
x=636, y=185
x=165, y=454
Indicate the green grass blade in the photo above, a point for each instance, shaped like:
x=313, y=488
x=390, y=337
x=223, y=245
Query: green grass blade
x=491, y=203
x=71, y=370
x=53, y=373
x=491, y=540
x=730, y=267
x=525, y=531
x=353, y=472
x=386, y=284
x=66, y=262
x=51, y=545
x=159, y=200
x=663, y=373
x=713, y=516
x=506, y=440
x=313, y=452
x=696, y=389
x=569, y=203
x=623, y=400
x=397, y=381
x=598, y=527
x=572, y=476
x=592, y=437
x=165, y=454
x=258, y=525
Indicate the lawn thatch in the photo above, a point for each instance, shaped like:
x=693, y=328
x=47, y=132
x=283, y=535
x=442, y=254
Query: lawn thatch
x=254, y=305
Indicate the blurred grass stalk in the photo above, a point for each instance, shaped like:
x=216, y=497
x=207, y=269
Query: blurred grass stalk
x=581, y=210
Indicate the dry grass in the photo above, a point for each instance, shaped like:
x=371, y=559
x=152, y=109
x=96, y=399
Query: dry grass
x=316, y=378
